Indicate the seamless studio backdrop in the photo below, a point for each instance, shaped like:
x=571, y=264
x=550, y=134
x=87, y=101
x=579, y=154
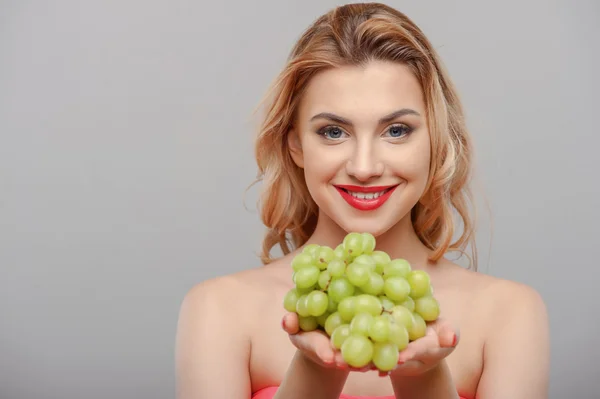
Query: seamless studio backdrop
x=126, y=146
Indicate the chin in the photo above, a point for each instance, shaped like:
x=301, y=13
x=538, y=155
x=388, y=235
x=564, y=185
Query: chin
x=376, y=222
x=370, y=225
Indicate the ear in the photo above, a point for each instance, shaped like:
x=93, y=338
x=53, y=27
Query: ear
x=295, y=147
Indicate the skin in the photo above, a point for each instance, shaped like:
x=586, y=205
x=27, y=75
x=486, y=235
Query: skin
x=492, y=339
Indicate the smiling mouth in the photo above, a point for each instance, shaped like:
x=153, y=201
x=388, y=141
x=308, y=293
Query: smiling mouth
x=365, y=198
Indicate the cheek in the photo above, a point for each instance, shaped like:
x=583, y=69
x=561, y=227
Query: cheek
x=412, y=163
x=321, y=163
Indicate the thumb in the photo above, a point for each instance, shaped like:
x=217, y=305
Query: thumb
x=290, y=323
x=314, y=344
x=448, y=334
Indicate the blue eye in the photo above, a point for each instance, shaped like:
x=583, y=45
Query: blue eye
x=397, y=131
x=331, y=132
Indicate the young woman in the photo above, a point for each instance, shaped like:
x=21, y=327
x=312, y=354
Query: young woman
x=363, y=106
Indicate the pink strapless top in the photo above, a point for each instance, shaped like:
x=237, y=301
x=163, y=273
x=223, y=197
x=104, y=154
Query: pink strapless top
x=269, y=392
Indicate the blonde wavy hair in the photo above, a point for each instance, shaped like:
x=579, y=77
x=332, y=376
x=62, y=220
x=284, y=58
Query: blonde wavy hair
x=354, y=34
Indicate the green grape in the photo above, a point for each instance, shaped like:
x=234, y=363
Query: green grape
x=360, y=323
x=418, y=329
x=419, y=283
x=381, y=259
x=340, y=288
x=321, y=320
x=402, y=316
x=386, y=303
x=307, y=290
x=308, y=323
x=347, y=308
x=368, y=304
x=310, y=249
x=385, y=356
x=397, y=267
x=396, y=288
x=379, y=329
x=368, y=244
x=332, y=306
x=301, y=261
x=357, y=350
x=324, y=279
x=333, y=321
x=388, y=316
x=353, y=244
x=358, y=291
x=317, y=303
x=339, y=335
x=302, y=306
x=399, y=336
x=375, y=284
x=429, y=291
x=340, y=255
x=365, y=260
x=409, y=304
x=307, y=276
x=290, y=300
x=323, y=256
x=357, y=274
x=428, y=307
x=336, y=268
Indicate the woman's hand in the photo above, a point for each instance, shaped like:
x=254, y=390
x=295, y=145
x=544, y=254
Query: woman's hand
x=316, y=345
x=417, y=358
x=424, y=354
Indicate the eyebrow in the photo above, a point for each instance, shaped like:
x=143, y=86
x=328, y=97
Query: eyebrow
x=386, y=119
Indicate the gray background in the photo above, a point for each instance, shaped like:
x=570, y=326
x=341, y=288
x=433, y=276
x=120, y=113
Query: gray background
x=126, y=147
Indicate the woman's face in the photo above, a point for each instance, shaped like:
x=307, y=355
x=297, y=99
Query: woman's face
x=362, y=139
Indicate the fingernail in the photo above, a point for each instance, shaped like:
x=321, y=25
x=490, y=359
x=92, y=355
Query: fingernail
x=454, y=340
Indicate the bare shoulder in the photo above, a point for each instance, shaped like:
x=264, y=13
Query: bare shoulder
x=237, y=293
x=509, y=298
x=516, y=354
x=494, y=293
x=213, y=341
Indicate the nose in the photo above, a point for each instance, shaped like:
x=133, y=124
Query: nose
x=364, y=164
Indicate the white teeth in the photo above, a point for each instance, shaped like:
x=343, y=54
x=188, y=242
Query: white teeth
x=367, y=196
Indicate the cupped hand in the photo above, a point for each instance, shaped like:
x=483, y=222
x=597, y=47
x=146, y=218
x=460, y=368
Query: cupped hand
x=316, y=345
x=417, y=358
x=425, y=353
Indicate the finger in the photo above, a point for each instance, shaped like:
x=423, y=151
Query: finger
x=411, y=366
x=448, y=335
x=427, y=351
x=316, y=345
x=419, y=347
x=340, y=362
x=290, y=324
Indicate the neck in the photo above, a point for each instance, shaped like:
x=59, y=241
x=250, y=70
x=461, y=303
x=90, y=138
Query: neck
x=400, y=241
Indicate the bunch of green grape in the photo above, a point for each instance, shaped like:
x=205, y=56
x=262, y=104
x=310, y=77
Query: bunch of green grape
x=371, y=306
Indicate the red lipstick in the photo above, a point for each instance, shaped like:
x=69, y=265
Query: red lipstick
x=365, y=204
